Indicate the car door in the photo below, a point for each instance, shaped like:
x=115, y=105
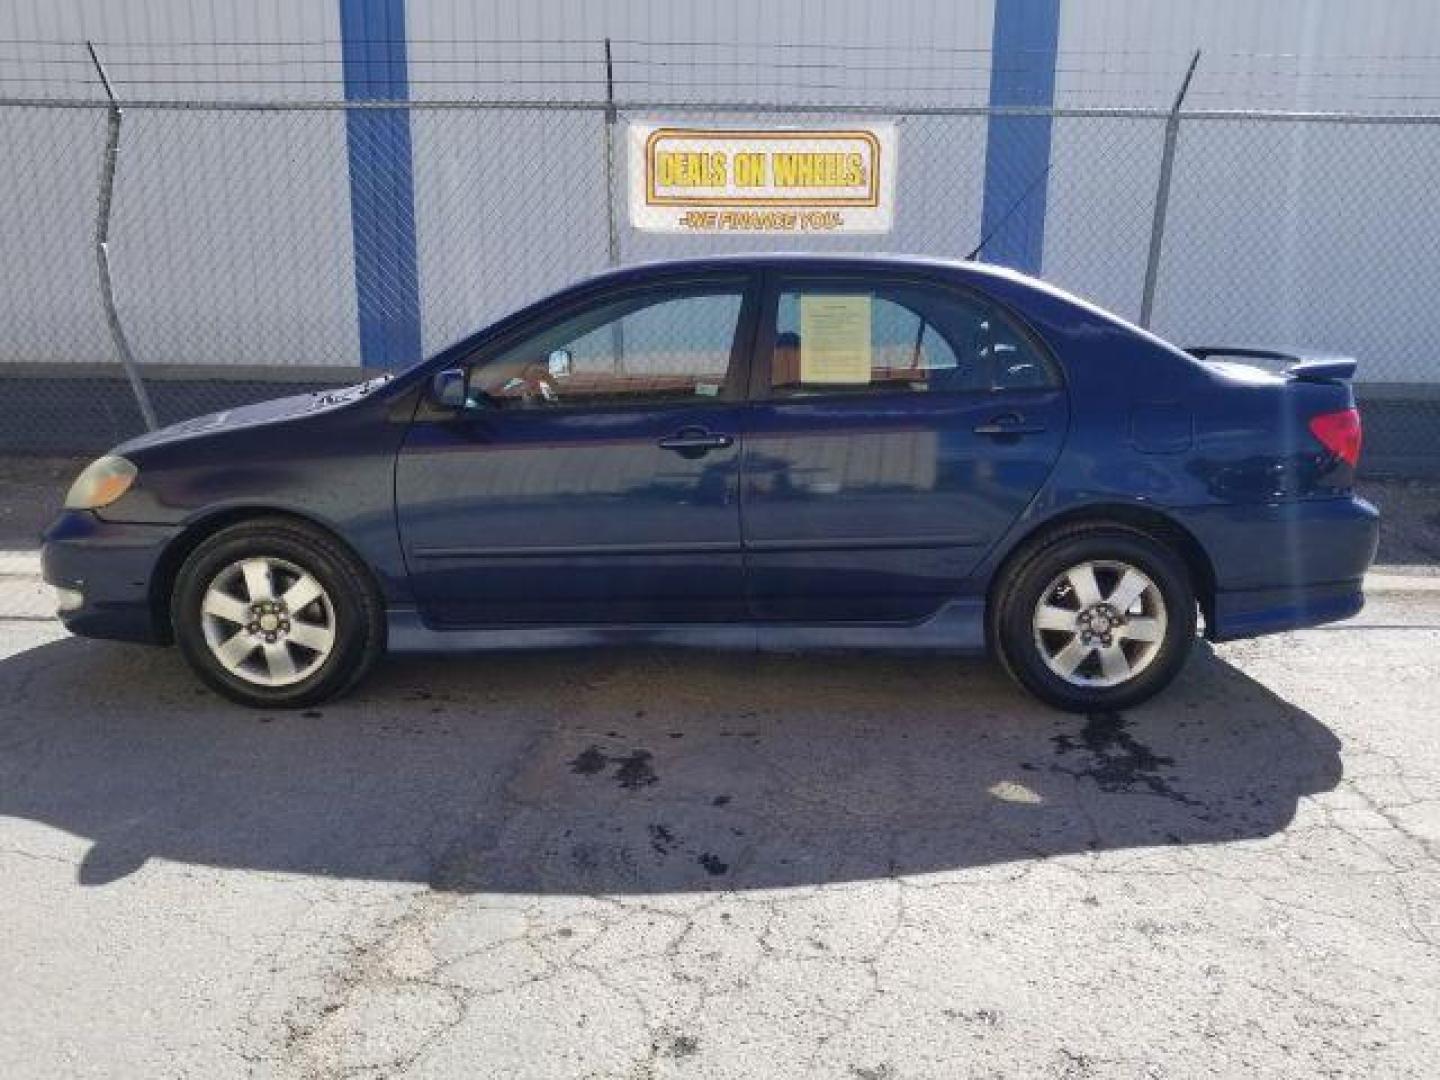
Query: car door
x=593, y=475
x=899, y=426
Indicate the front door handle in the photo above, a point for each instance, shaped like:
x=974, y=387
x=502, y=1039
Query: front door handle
x=695, y=442
x=1008, y=424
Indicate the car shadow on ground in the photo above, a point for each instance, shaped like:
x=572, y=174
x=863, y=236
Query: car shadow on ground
x=637, y=771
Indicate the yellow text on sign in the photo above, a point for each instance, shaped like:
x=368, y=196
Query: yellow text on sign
x=751, y=169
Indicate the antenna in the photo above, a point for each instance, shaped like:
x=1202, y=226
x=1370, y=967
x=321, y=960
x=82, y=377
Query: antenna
x=1165, y=178
x=1029, y=188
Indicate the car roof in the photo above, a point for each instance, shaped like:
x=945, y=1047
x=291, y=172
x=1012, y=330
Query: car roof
x=1018, y=287
x=802, y=260
x=1021, y=291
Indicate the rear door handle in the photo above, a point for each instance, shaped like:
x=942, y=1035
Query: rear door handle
x=1008, y=424
x=695, y=442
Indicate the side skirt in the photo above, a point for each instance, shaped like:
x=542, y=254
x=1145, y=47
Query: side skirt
x=959, y=626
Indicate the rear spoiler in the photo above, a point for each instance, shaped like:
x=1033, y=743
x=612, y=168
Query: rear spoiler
x=1308, y=367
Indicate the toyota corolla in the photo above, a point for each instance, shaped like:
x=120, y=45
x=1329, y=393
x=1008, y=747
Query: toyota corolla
x=768, y=452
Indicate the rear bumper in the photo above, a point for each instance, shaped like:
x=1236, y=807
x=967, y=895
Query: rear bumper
x=111, y=565
x=1285, y=566
x=1270, y=611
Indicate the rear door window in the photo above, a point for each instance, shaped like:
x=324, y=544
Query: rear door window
x=840, y=337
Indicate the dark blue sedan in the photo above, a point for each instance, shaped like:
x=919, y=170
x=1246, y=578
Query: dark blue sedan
x=765, y=452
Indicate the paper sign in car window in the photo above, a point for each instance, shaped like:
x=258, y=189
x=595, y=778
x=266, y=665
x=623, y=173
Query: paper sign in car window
x=834, y=339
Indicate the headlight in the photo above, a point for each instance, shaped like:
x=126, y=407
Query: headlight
x=101, y=483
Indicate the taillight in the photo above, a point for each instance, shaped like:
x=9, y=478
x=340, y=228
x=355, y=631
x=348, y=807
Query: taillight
x=1339, y=432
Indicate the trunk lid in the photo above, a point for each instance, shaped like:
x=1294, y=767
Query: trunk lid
x=1287, y=416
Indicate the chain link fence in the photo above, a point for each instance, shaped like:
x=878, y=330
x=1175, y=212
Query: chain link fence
x=232, y=253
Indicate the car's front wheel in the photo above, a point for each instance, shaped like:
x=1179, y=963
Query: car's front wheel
x=274, y=613
x=1095, y=618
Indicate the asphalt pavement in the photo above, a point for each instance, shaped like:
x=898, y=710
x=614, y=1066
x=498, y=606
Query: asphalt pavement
x=644, y=864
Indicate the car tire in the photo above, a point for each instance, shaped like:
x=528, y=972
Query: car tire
x=274, y=613
x=1065, y=627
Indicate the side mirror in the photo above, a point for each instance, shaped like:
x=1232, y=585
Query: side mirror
x=447, y=389
x=558, y=364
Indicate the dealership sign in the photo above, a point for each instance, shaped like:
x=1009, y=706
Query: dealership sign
x=722, y=180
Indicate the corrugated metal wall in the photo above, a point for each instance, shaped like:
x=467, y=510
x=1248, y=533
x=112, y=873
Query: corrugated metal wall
x=202, y=205
x=174, y=48
x=1355, y=200
x=1312, y=54
x=228, y=208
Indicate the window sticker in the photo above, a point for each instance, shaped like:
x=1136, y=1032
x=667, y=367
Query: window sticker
x=835, y=339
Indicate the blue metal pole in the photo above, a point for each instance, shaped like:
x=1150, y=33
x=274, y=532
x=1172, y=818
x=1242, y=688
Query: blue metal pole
x=1017, y=148
x=382, y=188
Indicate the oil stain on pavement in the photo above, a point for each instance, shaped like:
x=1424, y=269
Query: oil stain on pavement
x=1118, y=762
x=632, y=771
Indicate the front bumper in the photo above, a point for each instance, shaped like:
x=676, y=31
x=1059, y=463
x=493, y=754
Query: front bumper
x=111, y=565
x=1285, y=566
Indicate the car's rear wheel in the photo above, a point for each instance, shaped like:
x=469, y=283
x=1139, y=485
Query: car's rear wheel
x=1095, y=618
x=274, y=613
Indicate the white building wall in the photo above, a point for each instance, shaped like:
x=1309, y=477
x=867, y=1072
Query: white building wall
x=549, y=166
x=173, y=48
x=231, y=240
x=1311, y=235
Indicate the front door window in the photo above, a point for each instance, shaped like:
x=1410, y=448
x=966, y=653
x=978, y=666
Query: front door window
x=645, y=349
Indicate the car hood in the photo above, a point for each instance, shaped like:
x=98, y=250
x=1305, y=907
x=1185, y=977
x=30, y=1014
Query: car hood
x=275, y=410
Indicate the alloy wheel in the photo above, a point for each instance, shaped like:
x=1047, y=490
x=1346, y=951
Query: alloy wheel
x=1100, y=623
x=268, y=621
